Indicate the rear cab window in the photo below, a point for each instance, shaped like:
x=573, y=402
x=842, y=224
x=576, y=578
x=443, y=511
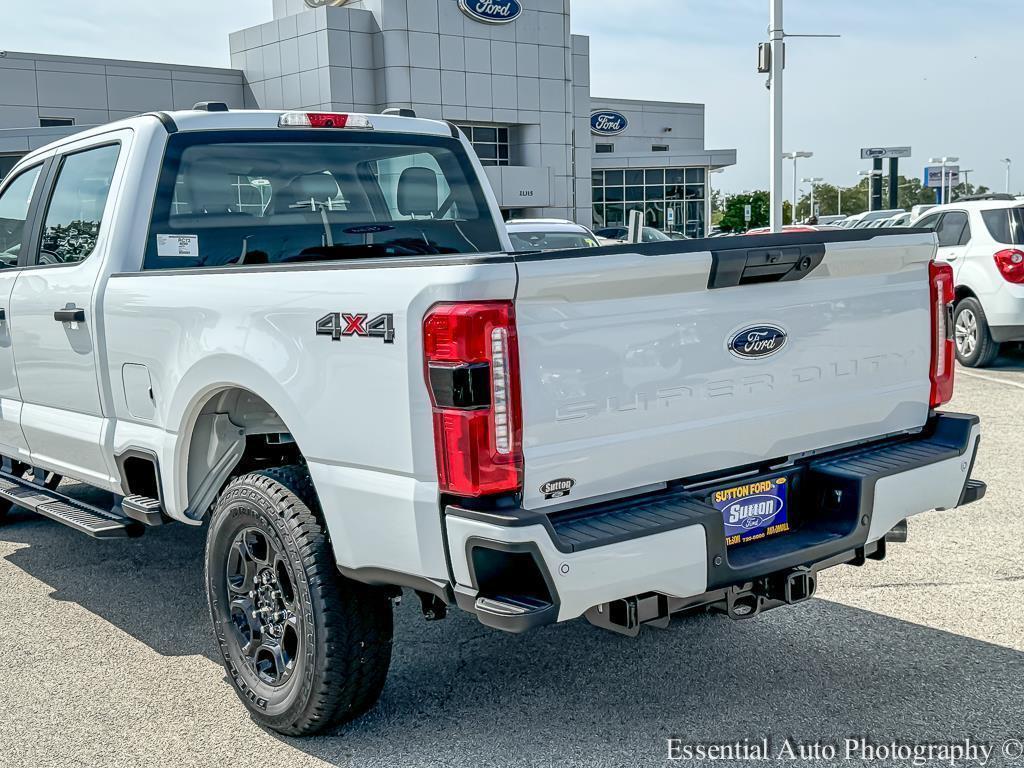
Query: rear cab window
x=241, y=198
x=1005, y=225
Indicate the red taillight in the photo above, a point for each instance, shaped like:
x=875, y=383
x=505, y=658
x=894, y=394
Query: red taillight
x=943, y=357
x=323, y=120
x=472, y=368
x=1011, y=265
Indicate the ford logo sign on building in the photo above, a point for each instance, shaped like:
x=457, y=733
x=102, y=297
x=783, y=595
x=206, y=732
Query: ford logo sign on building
x=758, y=341
x=608, y=123
x=492, y=11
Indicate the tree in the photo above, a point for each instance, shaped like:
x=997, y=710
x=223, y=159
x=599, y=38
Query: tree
x=760, y=209
x=856, y=199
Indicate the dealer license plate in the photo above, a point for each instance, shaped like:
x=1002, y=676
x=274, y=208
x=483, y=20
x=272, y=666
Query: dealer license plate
x=754, y=511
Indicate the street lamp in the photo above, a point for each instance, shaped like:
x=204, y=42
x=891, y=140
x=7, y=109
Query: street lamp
x=1008, y=162
x=963, y=174
x=812, y=180
x=709, y=213
x=775, y=49
x=794, y=156
x=945, y=161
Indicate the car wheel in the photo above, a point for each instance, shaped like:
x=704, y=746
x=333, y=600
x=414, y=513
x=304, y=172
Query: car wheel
x=304, y=647
x=974, y=345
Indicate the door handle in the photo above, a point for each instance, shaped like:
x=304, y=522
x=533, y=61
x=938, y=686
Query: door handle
x=69, y=314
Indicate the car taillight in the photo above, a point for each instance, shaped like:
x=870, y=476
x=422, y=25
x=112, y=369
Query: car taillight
x=1011, y=265
x=324, y=120
x=943, y=358
x=472, y=369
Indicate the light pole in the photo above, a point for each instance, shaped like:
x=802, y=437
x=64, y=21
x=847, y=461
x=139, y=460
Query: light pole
x=963, y=173
x=945, y=161
x=812, y=180
x=794, y=156
x=1008, y=162
x=776, y=38
x=709, y=211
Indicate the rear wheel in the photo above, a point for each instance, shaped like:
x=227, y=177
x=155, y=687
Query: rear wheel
x=975, y=347
x=304, y=648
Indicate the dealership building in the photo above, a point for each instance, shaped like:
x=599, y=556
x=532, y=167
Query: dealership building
x=508, y=72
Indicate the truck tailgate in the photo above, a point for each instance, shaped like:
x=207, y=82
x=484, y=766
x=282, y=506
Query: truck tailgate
x=644, y=364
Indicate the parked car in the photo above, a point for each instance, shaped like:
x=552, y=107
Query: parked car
x=901, y=220
x=621, y=234
x=310, y=332
x=983, y=240
x=787, y=228
x=862, y=220
x=832, y=219
x=549, y=235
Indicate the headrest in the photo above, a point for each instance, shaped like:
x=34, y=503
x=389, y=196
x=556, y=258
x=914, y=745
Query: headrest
x=319, y=187
x=417, y=192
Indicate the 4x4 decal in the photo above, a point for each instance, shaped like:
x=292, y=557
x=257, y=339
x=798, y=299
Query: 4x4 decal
x=338, y=325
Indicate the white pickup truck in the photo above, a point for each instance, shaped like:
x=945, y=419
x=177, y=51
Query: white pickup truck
x=309, y=332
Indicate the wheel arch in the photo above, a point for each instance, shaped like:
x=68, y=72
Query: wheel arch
x=963, y=292
x=215, y=417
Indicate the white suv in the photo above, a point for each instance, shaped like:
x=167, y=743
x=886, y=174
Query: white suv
x=983, y=240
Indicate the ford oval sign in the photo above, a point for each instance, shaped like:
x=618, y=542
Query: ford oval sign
x=608, y=123
x=758, y=341
x=492, y=11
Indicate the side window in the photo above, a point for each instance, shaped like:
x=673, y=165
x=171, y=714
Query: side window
x=951, y=228
x=75, y=211
x=965, y=236
x=928, y=222
x=14, y=203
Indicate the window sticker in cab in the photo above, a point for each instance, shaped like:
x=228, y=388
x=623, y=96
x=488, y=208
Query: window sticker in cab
x=177, y=245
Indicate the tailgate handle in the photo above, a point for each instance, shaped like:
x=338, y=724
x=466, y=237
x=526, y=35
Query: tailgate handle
x=746, y=266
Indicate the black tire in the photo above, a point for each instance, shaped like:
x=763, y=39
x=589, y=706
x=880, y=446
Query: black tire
x=338, y=638
x=975, y=347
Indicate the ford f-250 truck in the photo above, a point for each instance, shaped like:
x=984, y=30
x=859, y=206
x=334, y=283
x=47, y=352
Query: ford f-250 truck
x=309, y=332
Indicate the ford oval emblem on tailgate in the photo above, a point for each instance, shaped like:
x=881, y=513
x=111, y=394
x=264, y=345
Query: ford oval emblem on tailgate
x=758, y=341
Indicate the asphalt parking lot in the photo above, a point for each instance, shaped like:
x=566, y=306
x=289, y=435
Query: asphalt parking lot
x=108, y=660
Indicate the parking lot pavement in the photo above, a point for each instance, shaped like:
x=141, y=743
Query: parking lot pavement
x=108, y=660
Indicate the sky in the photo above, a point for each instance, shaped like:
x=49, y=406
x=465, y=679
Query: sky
x=938, y=75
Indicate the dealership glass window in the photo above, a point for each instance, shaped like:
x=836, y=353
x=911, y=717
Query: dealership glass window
x=55, y=122
x=490, y=142
x=679, y=190
x=604, y=149
x=7, y=163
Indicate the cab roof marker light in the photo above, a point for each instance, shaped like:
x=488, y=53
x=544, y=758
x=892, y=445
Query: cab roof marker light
x=324, y=120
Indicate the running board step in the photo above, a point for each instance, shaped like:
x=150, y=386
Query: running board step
x=85, y=518
x=143, y=509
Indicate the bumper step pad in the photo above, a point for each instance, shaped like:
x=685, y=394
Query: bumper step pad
x=85, y=518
